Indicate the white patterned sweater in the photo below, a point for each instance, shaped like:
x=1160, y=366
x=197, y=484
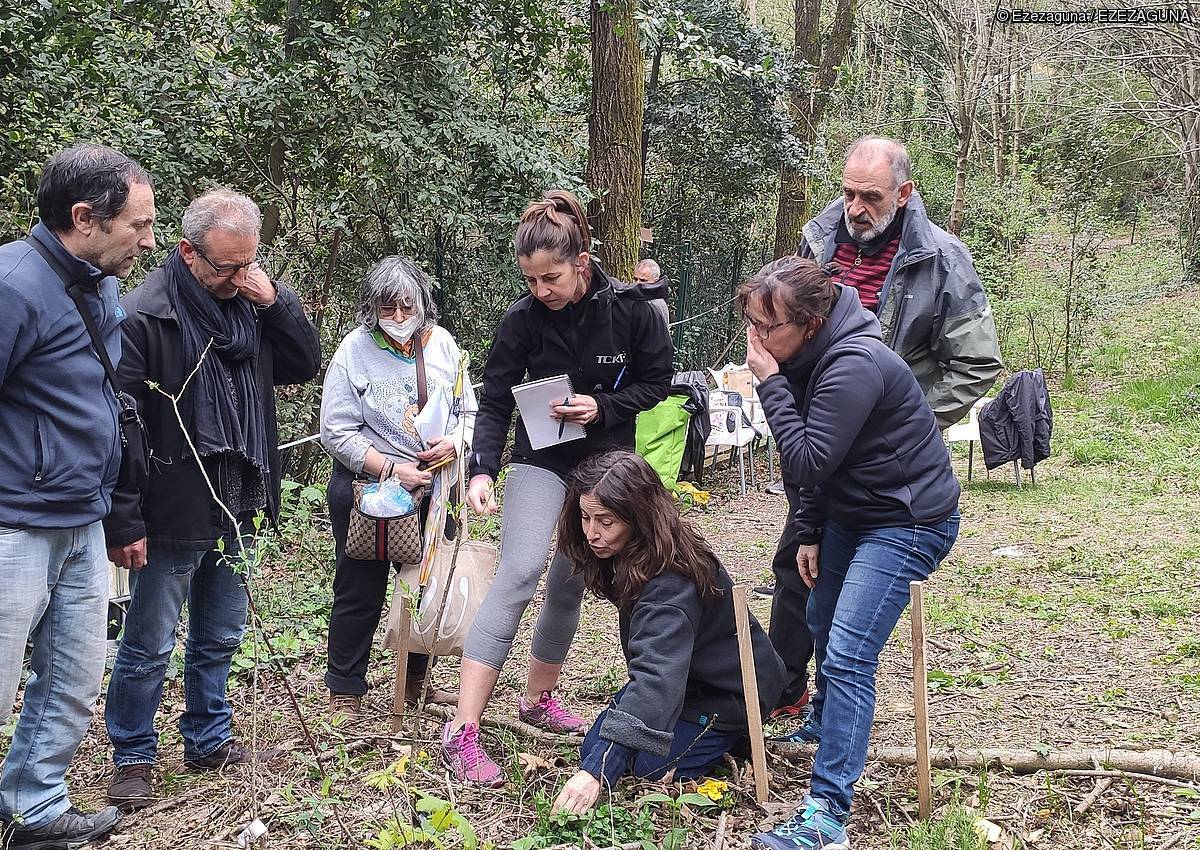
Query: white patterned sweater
x=370, y=398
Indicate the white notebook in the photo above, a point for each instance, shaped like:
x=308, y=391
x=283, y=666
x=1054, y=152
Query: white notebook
x=534, y=399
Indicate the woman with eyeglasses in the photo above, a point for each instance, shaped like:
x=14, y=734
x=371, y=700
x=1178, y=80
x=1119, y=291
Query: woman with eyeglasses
x=878, y=507
x=371, y=423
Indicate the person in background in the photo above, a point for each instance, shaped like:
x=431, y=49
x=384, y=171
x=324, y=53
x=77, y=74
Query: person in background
x=616, y=350
x=683, y=707
x=371, y=425
x=60, y=450
x=879, y=507
x=209, y=316
x=647, y=273
x=933, y=311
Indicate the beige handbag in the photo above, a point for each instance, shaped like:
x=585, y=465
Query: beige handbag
x=454, y=575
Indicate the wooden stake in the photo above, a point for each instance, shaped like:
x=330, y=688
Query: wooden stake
x=758, y=750
x=401, y=683
x=921, y=700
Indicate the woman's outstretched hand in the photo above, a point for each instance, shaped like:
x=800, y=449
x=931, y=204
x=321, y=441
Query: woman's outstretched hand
x=760, y=361
x=806, y=563
x=480, y=495
x=579, y=794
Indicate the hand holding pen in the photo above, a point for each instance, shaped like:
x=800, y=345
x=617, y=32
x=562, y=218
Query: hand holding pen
x=575, y=408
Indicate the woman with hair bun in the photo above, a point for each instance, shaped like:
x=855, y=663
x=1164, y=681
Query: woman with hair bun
x=608, y=339
x=683, y=707
x=878, y=507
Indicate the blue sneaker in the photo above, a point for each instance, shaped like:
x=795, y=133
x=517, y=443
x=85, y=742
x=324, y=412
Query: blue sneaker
x=808, y=732
x=812, y=827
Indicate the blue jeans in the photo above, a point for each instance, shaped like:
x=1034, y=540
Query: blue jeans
x=55, y=593
x=862, y=588
x=692, y=753
x=215, y=592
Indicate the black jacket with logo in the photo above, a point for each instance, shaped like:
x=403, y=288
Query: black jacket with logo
x=612, y=332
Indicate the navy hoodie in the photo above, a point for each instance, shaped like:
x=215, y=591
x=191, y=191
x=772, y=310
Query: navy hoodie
x=59, y=444
x=855, y=432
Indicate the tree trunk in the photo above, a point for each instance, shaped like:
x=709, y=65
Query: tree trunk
x=822, y=57
x=964, y=128
x=651, y=91
x=278, y=150
x=615, y=133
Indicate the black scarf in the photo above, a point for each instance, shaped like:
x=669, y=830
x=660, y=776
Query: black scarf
x=221, y=406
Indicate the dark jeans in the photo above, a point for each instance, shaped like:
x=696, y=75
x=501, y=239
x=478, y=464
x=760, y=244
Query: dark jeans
x=359, y=594
x=789, y=626
x=862, y=588
x=214, y=587
x=692, y=754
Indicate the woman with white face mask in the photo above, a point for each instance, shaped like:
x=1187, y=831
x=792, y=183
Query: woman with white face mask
x=373, y=426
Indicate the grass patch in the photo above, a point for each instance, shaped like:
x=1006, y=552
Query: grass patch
x=953, y=831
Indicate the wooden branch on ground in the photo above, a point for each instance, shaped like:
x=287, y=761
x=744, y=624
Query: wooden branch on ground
x=1148, y=764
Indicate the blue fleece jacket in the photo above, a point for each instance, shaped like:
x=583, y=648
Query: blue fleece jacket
x=59, y=444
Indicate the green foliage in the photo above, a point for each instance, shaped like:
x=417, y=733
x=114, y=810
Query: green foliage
x=606, y=825
x=954, y=830
x=439, y=825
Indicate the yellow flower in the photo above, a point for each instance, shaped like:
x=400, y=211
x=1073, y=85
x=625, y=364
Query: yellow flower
x=713, y=789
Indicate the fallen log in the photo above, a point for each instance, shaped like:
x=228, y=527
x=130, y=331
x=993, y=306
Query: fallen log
x=1160, y=763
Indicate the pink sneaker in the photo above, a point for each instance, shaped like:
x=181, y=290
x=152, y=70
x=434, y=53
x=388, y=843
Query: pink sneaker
x=548, y=713
x=465, y=756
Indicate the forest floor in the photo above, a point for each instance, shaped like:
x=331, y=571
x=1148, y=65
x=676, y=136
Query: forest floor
x=1067, y=617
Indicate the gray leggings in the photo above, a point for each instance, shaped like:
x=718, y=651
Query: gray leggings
x=532, y=500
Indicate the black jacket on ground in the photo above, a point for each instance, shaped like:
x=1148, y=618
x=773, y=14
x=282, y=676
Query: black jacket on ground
x=1016, y=424
x=857, y=440
x=177, y=511
x=682, y=653
x=610, y=330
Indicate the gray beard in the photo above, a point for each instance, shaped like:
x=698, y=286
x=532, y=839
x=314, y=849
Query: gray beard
x=874, y=231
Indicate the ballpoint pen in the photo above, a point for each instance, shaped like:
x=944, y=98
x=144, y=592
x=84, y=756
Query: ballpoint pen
x=562, y=423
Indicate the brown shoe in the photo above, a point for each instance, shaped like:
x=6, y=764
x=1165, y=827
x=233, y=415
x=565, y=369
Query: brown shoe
x=348, y=706
x=229, y=754
x=433, y=696
x=131, y=787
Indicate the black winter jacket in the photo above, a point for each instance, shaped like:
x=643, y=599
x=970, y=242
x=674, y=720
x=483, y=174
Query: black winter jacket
x=682, y=653
x=612, y=329
x=857, y=441
x=177, y=511
x=1017, y=424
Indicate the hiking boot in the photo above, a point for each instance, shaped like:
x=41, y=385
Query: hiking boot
x=809, y=732
x=229, y=754
x=69, y=830
x=775, y=488
x=348, y=706
x=130, y=788
x=466, y=757
x=812, y=827
x=433, y=696
x=548, y=713
x=799, y=708
x=766, y=591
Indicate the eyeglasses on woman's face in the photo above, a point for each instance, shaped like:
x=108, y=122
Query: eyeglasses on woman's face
x=396, y=311
x=763, y=329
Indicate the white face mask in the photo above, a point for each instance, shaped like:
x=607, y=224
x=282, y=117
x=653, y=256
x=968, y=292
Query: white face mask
x=401, y=332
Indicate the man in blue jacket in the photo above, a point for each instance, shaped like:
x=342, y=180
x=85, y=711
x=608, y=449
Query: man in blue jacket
x=59, y=456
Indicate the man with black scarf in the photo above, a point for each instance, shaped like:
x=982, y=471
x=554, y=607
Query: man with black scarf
x=212, y=320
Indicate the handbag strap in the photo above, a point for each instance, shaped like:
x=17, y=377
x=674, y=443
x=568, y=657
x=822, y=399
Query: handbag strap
x=422, y=389
x=89, y=321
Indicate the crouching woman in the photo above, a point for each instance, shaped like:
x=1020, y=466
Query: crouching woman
x=682, y=708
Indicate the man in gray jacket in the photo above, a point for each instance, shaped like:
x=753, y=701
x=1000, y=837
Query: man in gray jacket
x=922, y=284
x=59, y=455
